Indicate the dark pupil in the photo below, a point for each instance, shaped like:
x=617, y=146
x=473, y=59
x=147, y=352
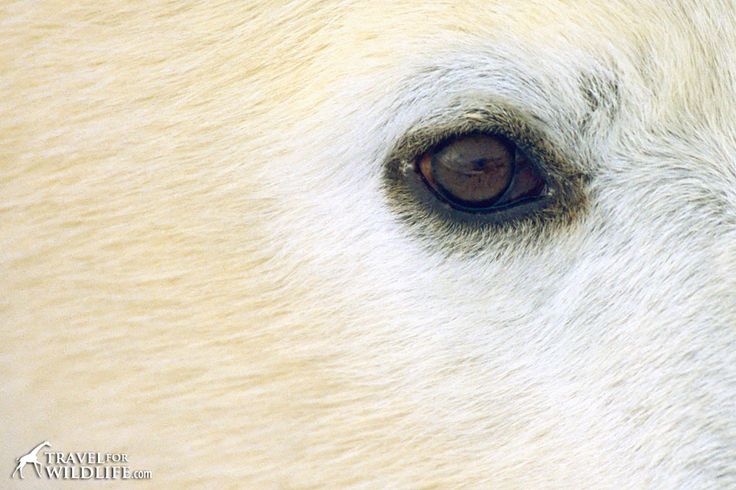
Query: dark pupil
x=474, y=171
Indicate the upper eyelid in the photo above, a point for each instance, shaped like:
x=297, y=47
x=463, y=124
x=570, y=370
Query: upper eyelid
x=496, y=119
x=478, y=114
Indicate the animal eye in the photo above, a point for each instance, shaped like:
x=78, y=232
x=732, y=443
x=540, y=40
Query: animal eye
x=480, y=173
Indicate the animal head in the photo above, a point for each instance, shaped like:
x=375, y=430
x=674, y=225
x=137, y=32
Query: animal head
x=332, y=243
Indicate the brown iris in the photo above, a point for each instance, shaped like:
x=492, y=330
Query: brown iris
x=480, y=173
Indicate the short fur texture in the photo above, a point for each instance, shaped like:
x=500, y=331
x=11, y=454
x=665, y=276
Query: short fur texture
x=202, y=264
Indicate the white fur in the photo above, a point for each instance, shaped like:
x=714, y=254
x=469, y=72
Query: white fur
x=200, y=266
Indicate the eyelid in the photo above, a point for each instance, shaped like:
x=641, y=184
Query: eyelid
x=565, y=193
x=503, y=122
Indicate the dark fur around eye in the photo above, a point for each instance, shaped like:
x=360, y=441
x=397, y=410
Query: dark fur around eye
x=460, y=200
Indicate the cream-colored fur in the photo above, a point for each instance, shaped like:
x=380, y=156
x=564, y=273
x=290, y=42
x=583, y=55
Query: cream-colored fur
x=200, y=265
